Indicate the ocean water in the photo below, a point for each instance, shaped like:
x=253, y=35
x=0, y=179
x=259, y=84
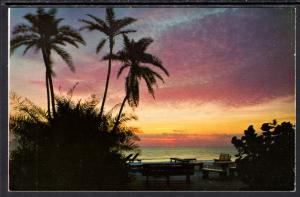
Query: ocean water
x=160, y=154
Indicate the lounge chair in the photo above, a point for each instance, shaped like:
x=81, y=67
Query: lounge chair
x=134, y=158
x=223, y=157
x=128, y=157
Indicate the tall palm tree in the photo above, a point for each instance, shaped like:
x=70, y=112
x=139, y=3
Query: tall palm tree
x=134, y=57
x=45, y=33
x=111, y=27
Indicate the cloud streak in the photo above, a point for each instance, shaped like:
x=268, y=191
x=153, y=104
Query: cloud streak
x=188, y=140
x=236, y=58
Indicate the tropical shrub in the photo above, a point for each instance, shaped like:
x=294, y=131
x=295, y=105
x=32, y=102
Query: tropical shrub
x=266, y=161
x=75, y=150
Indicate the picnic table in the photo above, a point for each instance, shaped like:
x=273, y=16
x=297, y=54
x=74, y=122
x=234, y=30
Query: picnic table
x=167, y=170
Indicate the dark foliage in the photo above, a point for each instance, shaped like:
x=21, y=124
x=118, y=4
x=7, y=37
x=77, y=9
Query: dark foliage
x=266, y=161
x=73, y=151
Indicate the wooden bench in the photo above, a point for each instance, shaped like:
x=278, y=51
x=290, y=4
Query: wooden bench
x=167, y=170
x=222, y=173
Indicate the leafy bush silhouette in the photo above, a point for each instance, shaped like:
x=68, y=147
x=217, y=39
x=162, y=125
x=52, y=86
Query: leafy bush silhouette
x=267, y=161
x=73, y=151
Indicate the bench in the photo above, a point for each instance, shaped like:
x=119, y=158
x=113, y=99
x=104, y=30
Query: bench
x=167, y=170
x=206, y=171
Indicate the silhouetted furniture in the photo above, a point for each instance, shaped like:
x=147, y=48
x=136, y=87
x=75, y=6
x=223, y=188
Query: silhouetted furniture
x=221, y=167
x=206, y=171
x=232, y=171
x=224, y=165
x=167, y=170
x=188, y=160
x=175, y=159
x=134, y=158
x=223, y=157
x=128, y=157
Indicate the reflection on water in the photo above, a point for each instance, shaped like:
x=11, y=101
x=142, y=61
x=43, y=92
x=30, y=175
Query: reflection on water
x=158, y=154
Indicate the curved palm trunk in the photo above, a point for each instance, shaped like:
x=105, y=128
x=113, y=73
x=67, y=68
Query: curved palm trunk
x=107, y=78
x=48, y=96
x=119, y=115
x=52, y=95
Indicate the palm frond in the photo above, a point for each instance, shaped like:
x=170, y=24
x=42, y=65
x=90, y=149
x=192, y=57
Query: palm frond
x=100, y=45
x=28, y=46
x=98, y=20
x=121, y=69
x=68, y=31
x=112, y=56
x=65, y=56
x=20, y=40
x=90, y=26
x=31, y=19
x=150, y=81
x=125, y=118
x=143, y=43
x=23, y=28
x=121, y=23
x=52, y=11
x=23, y=38
x=62, y=40
x=110, y=16
x=147, y=71
x=125, y=32
x=132, y=90
x=151, y=59
x=126, y=42
x=41, y=11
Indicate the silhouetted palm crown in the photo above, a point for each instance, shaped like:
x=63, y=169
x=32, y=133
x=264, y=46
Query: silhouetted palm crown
x=111, y=27
x=44, y=32
x=133, y=56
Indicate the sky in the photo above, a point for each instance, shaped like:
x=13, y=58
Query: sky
x=229, y=68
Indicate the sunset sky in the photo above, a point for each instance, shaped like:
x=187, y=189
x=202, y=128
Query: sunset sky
x=229, y=68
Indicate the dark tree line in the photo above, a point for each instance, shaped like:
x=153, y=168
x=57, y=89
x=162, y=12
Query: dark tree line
x=266, y=161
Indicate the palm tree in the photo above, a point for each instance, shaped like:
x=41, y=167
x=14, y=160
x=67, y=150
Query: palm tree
x=45, y=33
x=111, y=27
x=134, y=57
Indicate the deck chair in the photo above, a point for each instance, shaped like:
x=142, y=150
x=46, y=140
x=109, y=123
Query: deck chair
x=128, y=157
x=134, y=158
x=224, y=157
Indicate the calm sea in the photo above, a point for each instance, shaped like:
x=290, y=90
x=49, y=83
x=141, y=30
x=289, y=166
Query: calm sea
x=157, y=154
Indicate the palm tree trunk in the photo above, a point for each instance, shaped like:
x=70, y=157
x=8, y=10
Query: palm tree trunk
x=107, y=77
x=48, y=96
x=47, y=82
x=52, y=95
x=119, y=115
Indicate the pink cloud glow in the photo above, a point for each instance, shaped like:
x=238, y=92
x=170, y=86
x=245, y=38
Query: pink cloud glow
x=181, y=139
